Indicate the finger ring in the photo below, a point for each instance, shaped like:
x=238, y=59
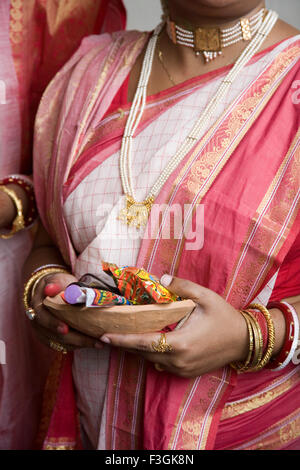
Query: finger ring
x=57, y=347
x=30, y=313
x=162, y=346
x=158, y=367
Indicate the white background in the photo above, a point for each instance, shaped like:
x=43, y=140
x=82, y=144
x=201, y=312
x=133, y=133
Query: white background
x=145, y=14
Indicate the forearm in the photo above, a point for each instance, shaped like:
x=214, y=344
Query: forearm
x=44, y=252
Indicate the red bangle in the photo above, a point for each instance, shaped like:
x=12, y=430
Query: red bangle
x=277, y=363
x=28, y=188
x=263, y=326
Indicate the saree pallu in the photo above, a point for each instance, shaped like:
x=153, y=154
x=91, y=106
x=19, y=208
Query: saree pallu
x=254, y=228
x=36, y=39
x=43, y=36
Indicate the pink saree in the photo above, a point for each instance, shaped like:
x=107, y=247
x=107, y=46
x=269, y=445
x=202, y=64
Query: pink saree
x=245, y=172
x=36, y=38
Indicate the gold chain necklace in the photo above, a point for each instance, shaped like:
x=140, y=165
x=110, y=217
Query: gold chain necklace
x=161, y=59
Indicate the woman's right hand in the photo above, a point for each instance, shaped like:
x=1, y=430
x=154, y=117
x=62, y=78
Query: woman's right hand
x=48, y=327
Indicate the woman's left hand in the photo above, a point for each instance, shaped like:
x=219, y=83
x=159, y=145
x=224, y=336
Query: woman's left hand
x=215, y=334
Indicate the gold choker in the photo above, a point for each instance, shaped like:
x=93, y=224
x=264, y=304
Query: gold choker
x=210, y=41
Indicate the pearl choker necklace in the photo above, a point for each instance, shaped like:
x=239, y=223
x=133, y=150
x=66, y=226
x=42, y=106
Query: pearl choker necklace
x=210, y=41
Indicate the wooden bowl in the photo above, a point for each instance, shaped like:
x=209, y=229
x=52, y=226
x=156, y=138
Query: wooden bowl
x=94, y=321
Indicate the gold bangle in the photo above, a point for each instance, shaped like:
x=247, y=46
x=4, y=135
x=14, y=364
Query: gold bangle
x=29, y=285
x=19, y=222
x=242, y=366
x=271, y=335
x=258, y=341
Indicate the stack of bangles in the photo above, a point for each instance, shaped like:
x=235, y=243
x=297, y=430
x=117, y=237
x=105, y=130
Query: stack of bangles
x=29, y=290
x=21, y=221
x=262, y=338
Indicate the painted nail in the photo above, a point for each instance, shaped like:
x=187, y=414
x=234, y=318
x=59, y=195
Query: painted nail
x=166, y=280
x=105, y=339
x=52, y=289
x=63, y=329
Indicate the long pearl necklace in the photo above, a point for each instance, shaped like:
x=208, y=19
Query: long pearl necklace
x=136, y=213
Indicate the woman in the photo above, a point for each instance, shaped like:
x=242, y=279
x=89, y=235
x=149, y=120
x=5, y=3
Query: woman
x=36, y=39
x=102, y=167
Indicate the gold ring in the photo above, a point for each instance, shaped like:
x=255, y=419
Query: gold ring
x=30, y=313
x=158, y=367
x=57, y=347
x=162, y=346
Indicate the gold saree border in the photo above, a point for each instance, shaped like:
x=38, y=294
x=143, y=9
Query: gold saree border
x=191, y=432
x=49, y=398
x=129, y=374
x=273, y=391
x=278, y=436
x=242, y=118
x=270, y=203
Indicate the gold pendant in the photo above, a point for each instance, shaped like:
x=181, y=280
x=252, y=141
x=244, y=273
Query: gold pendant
x=136, y=214
x=246, y=29
x=207, y=39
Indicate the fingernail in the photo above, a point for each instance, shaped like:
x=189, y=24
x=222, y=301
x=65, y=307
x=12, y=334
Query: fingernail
x=166, y=280
x=105, y=339
x=63, y=329
x=99, y=346
x=52, y=289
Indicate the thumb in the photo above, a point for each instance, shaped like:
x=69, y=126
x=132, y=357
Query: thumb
x=187, y=289
x=52, y=289
x=57, y=282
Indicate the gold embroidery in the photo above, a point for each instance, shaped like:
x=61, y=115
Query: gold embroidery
x=60, y=443
x=239, y=115
x=16, y=21
x=246, y=29
x=77, y=151
x=207, y=39
x=278, y=436
x=195, y=420
x=121, y=111
x=266, y=234
x=260, y=399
